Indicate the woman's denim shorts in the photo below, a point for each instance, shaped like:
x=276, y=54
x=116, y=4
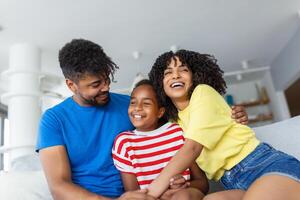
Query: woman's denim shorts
x=264, y=160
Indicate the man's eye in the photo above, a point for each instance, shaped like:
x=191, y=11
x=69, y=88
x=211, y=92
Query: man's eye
x=95, y=86
x=132, y=102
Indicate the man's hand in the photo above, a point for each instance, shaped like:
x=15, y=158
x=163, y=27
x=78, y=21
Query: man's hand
x=137, y=195
x=239, y=114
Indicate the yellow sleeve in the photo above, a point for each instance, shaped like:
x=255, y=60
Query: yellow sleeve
x=210, y=117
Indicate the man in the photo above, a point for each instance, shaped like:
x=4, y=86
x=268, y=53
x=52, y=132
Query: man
x=76, y=136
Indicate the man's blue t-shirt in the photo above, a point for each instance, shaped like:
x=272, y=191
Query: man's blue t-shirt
x=88, y=134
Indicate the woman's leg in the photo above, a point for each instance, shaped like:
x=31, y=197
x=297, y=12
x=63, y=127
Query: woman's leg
x=273, y=187
x=226, y=195
x=188, y=194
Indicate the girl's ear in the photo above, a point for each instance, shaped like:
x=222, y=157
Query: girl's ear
x=161, y=112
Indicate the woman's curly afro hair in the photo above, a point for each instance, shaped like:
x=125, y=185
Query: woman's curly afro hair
x=204, y=68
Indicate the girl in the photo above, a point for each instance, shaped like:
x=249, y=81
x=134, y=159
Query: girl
x=190, y=86
x=141, y=154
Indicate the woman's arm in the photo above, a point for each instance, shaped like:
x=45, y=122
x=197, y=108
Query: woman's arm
x=183, y=159
x=129, y=181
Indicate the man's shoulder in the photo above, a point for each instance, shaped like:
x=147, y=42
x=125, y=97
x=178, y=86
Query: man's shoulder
x=119, y=100
x=119, y=97
x=64, y=105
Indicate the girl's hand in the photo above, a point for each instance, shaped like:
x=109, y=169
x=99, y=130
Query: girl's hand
x=178, y=182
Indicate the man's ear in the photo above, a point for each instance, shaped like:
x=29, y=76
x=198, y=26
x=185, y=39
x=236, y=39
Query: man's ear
x=71, y=85
x=161, y=112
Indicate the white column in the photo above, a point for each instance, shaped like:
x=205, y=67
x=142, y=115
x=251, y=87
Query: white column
x=283, y=106
x=23, y=97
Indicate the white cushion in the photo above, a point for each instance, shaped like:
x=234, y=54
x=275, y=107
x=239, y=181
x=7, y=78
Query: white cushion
x=29, y=162
x=26, y=185
x=283, y=135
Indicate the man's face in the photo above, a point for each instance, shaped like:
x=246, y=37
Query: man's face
x=90, y=90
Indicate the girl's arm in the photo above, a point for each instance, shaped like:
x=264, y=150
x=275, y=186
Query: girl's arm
x=198, y=179
x=183, y=159
x=129, y=181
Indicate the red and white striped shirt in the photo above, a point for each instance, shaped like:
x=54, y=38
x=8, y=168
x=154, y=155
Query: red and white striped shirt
x=145, y=154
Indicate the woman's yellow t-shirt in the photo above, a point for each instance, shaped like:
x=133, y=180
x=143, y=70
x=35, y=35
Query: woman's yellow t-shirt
x=207, y=120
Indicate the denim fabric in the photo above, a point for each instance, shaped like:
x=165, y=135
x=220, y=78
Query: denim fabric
x=262, y=161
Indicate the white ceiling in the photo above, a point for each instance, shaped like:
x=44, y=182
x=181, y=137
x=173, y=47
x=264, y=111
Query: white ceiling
x=232, y=30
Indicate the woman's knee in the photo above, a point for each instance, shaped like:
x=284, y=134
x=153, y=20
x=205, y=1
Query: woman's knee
x=226, y=195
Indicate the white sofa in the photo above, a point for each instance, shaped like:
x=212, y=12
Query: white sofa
x=283, y=135
x=31, y=184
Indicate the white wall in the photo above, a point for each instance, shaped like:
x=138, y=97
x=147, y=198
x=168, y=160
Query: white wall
x=278, y=103
x=246, y=91
x=285, y=69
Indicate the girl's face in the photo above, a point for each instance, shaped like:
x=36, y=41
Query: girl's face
x=177, y=81
x=144, y=111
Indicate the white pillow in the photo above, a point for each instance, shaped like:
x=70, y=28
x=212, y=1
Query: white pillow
x=29, y=162
x=26, y=185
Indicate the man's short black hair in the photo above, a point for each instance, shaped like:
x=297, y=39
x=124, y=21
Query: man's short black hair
x=82, y=57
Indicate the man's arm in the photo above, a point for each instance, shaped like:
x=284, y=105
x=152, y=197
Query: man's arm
x=57, y=169
x=239, y=114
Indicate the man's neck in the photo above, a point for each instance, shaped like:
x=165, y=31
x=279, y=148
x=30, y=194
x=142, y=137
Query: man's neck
x=80, y=102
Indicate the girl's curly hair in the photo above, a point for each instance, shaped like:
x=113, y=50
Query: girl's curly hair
x=204, y=68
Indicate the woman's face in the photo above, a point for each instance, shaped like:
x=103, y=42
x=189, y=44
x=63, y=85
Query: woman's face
x=177, y=81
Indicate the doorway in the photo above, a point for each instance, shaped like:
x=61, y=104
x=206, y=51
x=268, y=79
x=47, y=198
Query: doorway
x=292, y=94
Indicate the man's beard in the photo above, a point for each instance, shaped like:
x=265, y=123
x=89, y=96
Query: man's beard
x=93, y=100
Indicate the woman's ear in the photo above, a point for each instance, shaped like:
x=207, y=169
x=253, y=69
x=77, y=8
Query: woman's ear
x=161, y=112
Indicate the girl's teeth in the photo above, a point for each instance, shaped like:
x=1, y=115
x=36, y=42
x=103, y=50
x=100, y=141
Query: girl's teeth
x=137, y=116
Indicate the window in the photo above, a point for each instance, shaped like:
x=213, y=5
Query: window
x=3, y=128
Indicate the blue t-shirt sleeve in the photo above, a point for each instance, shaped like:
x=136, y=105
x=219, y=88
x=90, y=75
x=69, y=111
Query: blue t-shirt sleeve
x=50, y=131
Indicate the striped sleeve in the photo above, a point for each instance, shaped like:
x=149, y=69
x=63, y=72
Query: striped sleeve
x=120, y=153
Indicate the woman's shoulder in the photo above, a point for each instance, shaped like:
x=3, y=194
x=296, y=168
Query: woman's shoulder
x=204, y=90
x=204, y=87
